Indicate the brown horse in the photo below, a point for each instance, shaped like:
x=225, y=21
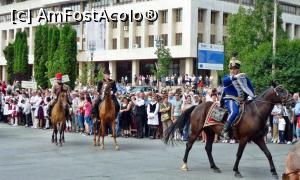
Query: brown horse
x=252, y=126
x=106, y=115
x=58, y=118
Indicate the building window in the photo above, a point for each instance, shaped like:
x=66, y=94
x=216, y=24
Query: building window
x=165, y=39
x=212, y=39
x=201, y=15
x=247, y=2
x=151, y=41
x=126, y=43
x=164, y=16
x=225, y=19
x=178, y=40
x=224, y=39
x=114, y=43
x=233, y=1
x=100, y=3
x=200, y=38
x=72, y=6
x=138, y=40
x=213, y=17
x=126, y=23
x=114, y=25
x=150, y=22
x=286, y=8
x=178, y=13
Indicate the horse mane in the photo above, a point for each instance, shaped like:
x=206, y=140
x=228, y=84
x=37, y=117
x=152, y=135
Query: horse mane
x=262, y=94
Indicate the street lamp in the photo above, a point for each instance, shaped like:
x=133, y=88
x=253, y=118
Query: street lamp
x=159, y=45
x=92, y=48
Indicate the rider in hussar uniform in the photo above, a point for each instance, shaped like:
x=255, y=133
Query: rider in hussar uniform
x=58, y=87
x=100, y=88
x=237, y=88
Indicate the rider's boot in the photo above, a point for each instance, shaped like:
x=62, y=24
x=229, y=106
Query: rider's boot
x=225, y=131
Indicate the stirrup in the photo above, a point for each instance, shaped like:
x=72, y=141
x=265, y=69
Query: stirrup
x=226, y=136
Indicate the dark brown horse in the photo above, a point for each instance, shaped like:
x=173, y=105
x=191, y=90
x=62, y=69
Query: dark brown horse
x=252, y=126
x=106, y=115
x=58, y=118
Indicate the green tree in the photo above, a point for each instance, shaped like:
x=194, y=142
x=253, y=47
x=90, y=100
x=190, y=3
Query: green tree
x=84, y=74
x=9, y=56
x=164, y=60
x=53, y=56
x=251, y=30
x=68, y=53
x=100, y=75
x=20, y=65
x=40, y=55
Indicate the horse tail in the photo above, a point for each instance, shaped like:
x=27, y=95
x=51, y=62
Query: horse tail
x=178, y=124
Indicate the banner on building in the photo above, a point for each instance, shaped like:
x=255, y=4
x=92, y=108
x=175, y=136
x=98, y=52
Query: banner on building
x=95, y=33
x=210, y=56
x=65, y=78
x=28, y=85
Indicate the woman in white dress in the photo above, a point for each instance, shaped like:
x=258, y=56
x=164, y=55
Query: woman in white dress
x=152, y=113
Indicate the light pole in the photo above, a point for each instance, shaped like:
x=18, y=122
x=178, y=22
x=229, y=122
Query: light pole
x=92, y=48
x=159, y=45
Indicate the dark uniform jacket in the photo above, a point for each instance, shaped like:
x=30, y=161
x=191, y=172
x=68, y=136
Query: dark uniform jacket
x=101, y=83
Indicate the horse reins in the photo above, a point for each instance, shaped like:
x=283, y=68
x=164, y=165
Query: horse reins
x=274, y=89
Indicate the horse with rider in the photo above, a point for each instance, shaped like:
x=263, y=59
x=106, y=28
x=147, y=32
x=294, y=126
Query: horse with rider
x=251, y=124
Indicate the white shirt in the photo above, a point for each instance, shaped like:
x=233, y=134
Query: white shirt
x=27, y=107
x=139, y=102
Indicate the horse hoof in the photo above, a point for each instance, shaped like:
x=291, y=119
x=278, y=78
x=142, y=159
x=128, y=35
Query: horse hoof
x=63, y=141
x=102, y=147
x=216, y=170
x=184, y=167
x=52, y=140
x=238, y=175
x=56, y=143
x=117, y=148
x=275, y=176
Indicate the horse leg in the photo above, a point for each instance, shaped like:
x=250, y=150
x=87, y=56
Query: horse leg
x=113, y=125
x=242, y=145
x=52, y=139
x=60, y=133
x=210, y=136
x=189, y=146
x=102, y=134
x=55, y=130
x=94, y=127
x=262, y=145
x=99, y=133
x=63, y=133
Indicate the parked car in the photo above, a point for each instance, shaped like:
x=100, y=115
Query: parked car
x=135, y=89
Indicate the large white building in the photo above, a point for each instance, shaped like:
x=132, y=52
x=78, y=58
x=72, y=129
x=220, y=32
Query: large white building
x=130, y=46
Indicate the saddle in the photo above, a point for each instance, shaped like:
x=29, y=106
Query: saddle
x=218, y=115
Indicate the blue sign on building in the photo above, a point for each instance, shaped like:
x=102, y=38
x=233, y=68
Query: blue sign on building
x=210, y=56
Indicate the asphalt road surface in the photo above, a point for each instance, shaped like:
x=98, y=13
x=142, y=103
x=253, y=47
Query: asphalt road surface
x=27, y=154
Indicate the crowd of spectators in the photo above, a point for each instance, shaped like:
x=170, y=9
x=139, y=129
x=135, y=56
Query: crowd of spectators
x=142, y=114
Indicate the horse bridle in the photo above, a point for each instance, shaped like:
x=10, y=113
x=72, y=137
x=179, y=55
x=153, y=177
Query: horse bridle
x=283, y=99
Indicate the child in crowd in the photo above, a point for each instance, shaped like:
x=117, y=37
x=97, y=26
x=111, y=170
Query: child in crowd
x=46, y=107
x=87, y=114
